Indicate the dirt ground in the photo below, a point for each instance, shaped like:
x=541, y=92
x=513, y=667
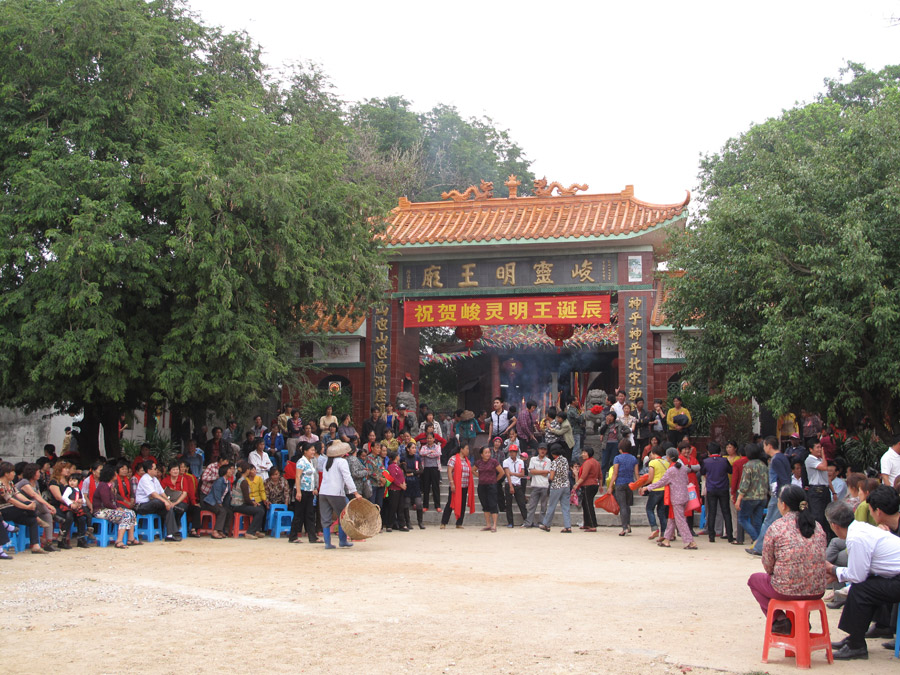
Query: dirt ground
x=451, y=601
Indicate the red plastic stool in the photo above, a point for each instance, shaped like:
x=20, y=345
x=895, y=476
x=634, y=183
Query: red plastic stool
x=800, y=642
x=211, y=517
x=240, y=527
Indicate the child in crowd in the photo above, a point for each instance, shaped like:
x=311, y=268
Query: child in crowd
x=797, y=474
x=73, y=510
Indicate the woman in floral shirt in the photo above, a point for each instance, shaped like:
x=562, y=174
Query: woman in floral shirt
x=277, y=489
x=793, y=557
x=305, y=490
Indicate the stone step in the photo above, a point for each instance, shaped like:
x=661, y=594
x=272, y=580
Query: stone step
x=604, y=519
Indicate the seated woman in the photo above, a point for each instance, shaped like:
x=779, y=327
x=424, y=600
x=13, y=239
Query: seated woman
x=217, y=501
x=124, y=486
x=242, y=500
x=106, y=507
x=793, y=557
x=45, y=513
x=179, y=481
x=59, y=482
x=277, y=490
x=22, y=511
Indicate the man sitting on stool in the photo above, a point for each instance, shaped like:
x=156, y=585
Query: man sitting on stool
x=873, y=570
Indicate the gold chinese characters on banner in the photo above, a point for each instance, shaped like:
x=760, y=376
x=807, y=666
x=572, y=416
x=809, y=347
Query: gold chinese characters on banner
x=542, y=309
x=632, y=313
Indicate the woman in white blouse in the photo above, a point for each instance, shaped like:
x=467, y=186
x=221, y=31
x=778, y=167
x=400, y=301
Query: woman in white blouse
x=337, y=484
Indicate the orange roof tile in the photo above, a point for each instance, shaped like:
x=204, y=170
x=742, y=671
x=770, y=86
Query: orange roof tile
x=658, y=317
x=559, y=217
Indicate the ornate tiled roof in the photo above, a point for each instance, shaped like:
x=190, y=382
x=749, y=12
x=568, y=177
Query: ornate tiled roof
x=486, y=219
x=658, y=317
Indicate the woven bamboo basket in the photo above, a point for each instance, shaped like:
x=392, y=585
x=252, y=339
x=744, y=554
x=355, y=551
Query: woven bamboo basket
x=361, y=519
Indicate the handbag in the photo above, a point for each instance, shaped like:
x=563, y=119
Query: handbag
x=608, y=503
x=693, y=502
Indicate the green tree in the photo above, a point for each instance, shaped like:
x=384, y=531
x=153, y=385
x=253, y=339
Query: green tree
x=170, y=214
x=450, y=152
x=792, y=266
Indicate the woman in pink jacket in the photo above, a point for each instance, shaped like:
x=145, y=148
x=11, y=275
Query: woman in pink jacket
x=676, y=477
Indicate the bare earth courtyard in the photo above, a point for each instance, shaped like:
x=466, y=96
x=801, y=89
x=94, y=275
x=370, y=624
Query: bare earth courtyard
x=452, y=601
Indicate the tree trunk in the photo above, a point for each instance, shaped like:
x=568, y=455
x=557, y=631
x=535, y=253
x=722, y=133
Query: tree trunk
x=89, y=437
x=109, y=419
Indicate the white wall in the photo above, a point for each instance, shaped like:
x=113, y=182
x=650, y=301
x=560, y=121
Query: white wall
x=23, y=436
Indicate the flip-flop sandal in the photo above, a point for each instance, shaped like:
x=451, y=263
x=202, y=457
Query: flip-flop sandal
x=664, y=544
x=135, y=542
x=493, y=529
x=567, y=530
x=485, y=529
x=119, y=544
x=691, y=547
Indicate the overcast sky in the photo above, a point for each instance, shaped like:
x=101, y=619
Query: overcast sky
x=598, y=92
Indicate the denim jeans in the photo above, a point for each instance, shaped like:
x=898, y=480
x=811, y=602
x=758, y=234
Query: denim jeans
x=656, y=502
x=751, y=515
x=560, y=495
x=772, y=515
x=576, y=449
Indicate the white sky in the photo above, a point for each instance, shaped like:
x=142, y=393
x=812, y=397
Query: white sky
x=598, y=92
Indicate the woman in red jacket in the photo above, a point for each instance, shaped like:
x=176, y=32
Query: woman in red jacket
x=184, y=482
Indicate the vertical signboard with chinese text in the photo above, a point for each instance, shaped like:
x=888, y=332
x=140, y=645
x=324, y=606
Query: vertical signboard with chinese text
x=381, y=354
x=633, y=326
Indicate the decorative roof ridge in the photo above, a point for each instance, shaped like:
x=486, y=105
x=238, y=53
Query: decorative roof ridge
x=405, y=205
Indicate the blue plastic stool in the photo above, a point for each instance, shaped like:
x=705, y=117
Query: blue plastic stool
x=105, y=531
x=284, y=458
x=152, y=526
x=19, y=539
x=270, y=516
x=897, y=637
x=282, y=523
x=182, y=528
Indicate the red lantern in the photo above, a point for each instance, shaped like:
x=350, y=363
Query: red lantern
x=560, y=332
x=468, y=334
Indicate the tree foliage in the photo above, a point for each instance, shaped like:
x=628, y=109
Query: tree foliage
x=791, y=268
x=439, y=150
x=169, y=214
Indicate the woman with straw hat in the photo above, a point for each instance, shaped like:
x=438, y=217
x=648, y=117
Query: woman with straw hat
x=337, y=483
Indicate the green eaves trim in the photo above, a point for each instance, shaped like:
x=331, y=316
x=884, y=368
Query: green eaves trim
x=555, y=290
x=662, y=362
x=331, y=366
x=542, y=240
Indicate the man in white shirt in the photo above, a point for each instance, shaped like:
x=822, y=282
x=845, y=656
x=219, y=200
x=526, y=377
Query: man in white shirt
x=151, y=498
x=890, y=462
x=515, y=474
x=619, y=405
x=499, y=420
x=873, y=572
x=538, y=470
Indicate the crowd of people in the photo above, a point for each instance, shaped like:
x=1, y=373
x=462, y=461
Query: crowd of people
x=813, y=524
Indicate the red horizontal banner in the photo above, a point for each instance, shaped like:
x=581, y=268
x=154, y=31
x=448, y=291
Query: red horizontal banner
x=506, y=311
